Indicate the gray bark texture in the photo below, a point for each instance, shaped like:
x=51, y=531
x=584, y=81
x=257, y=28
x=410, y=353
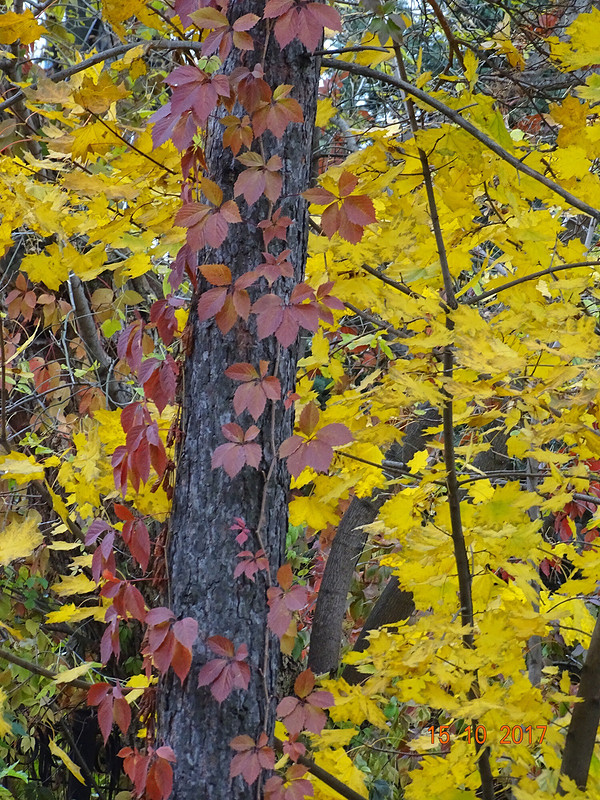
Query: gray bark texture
x=202, y=551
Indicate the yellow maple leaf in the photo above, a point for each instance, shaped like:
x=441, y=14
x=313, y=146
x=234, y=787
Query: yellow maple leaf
x=316, y=514
x=20, y=27
x=98, y=96
x=583, y=50
x=48, y=269
x=20, y=538
x=337, y=762
x=418, y=462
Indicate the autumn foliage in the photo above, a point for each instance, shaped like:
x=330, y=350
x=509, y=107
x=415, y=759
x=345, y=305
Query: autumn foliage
x=452, y=268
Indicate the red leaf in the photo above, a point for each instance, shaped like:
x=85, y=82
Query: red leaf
x=159, y=784
x=96, y=693
x=105, y=716
x=223, y=675
x=122, y=713
x=221, y=646
x=304, y=683
x=250, y=564
x=211, y=302
x=251, y=757
x=217, y=274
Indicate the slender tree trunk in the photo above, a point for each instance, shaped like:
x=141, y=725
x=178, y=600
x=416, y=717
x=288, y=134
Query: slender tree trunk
x=348, y=544
x=581, y=736
x=202, y=550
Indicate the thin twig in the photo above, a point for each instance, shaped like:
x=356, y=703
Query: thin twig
x=390, y=281
x=524, y=278
x=386, y=326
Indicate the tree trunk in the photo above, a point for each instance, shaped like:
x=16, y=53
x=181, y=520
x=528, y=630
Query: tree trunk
x=348, y=544
x=581, y=736
x=202, y=550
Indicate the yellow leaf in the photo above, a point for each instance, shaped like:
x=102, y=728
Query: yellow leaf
x=70, y=613
x=23, y=27
x=20, y=468
x=64, y=546
x=49, y=270
x=68, y=675
x=591, y=90
x=73, y=584
x=471, y=64
x=481, y=491
x=69, y=764
x=338, y=763
x=370, y=58
x=139, y=684
x=584, y=48
x=98, y=97
x=325, y=111
x=5, y=727
x=418, y=462
x=20, y=539
x=312, y=512
x=13, y=631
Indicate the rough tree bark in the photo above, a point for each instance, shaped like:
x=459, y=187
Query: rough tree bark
x=202, y=550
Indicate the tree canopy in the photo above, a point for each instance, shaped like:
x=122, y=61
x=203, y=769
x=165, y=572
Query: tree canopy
x=299, y=400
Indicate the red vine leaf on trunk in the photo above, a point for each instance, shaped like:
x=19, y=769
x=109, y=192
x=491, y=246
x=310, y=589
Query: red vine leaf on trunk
x=169, y=643
x=275, y=316
x=251, y=757
x=274, y=267
x=275, y=227
x=227, y=301
x=277, y=112
x=226, y=673
x=207, y=225
x=260, y=178
x=304, y=713
x=257, y=387
x=301, y=20
x=241, y=449
x=251, y=563
x=282, y=601
x=223, y=34
x=185, y=632
x=237, y=134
